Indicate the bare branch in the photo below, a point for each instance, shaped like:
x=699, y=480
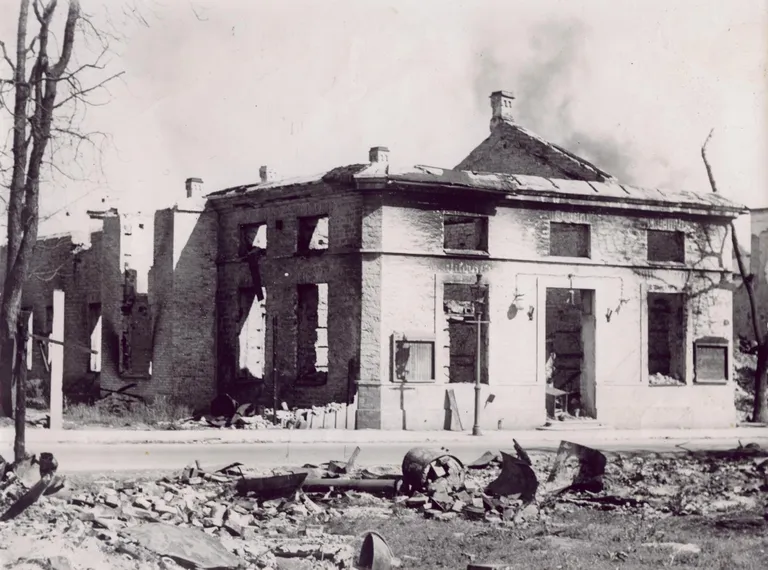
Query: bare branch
x=81, y=92
x=6, y=58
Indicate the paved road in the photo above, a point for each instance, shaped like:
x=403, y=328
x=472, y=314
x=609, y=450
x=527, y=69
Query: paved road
x=92, y=457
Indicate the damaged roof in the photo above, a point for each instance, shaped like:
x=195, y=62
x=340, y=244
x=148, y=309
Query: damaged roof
x=522, y=187
x=512, y=149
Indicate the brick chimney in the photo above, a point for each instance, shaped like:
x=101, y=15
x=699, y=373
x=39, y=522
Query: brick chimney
x=194, y=187
x=267, y=174
x=378, y=154
x=501, y=107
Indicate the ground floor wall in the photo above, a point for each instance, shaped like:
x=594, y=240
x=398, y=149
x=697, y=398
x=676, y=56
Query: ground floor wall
x=412, y=306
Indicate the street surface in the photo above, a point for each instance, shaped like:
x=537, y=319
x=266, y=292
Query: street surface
x=105, y=457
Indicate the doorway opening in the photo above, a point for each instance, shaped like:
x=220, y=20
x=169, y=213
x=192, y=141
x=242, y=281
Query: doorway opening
x=463, y=306
x=570, y=354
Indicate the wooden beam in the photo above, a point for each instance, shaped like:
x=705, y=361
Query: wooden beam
x=56, y=350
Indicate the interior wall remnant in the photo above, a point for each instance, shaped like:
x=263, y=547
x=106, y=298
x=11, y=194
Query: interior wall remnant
x=252, y=326
x=312, y=334
x=569, y=240
x=465, y=232
x=666, y=335
x=312, y=234
x=459, y=309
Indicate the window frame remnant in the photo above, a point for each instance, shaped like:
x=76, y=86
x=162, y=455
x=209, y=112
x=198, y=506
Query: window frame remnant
x=451, y=241
x=313, y=234
x=565, y=231
x=253, y=236
x=312, y=296
x=657, y=242
x=424, y=374
x=710, y=344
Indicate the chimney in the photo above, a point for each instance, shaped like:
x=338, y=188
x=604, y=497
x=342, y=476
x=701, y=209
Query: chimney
x=501, y=107
x=194, y=187
x=378, y=154
x=267, y=174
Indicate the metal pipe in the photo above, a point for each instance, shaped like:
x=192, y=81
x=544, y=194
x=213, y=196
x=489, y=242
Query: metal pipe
x=478, y=373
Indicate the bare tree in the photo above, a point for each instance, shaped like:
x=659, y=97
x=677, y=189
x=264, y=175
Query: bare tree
x=760, y=404
x=48, y=84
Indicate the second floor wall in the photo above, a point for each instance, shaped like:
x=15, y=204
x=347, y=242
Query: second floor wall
x=535, y=233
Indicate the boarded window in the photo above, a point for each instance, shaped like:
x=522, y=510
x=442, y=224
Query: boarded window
x=94, y=330
x=711, y=360
x=313, y=234
x=666, y=338
x=666, y=246
x=413, y=359
x=465, y=232
x=252, y=324
x=312, y=334
x=253, y=236
x=569, y=240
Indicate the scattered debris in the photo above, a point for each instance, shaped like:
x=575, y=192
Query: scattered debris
x=48, y=465
x=516, y=478
x=423, y=468
x=189, y=547
x=375, y=553
x=277, y=519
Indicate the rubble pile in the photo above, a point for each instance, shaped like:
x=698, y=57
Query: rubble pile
x=128, y=517
x=239, y=518
x=231, y=414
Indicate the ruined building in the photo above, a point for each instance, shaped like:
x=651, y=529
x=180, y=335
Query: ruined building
x=597, y=301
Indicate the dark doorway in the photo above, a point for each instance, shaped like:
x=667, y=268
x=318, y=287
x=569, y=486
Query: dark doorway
x=460, y=312
x=570, y=354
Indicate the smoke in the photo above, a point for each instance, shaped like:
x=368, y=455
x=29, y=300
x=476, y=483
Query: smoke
x=547, y=70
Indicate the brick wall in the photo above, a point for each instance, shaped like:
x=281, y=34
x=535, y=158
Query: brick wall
x=61, y=263
x=281, y=272
x=519, y=271
x=182, y=296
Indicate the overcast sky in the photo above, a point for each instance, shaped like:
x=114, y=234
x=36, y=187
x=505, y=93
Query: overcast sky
x=217, y=88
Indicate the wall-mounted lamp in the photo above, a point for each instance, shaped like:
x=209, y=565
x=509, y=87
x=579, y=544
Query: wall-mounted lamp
x=530, y=313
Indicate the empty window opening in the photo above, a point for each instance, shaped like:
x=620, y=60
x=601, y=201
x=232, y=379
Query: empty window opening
x=94, y=330
x=461, y=307
x=465, y=232
x=253, y=237
x=570, y=354
x=312, y=341
x=711, y=360
x=666, y=246
x=569, y=240
x=313, y=234
x=666, y=339
x=413, y=359
x=252, y=326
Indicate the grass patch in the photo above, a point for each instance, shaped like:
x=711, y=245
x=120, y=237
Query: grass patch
x=581, y=539
x=127, y=413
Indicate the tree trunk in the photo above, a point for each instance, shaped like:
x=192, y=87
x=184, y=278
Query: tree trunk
x=760, y=407
x=19, y=444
